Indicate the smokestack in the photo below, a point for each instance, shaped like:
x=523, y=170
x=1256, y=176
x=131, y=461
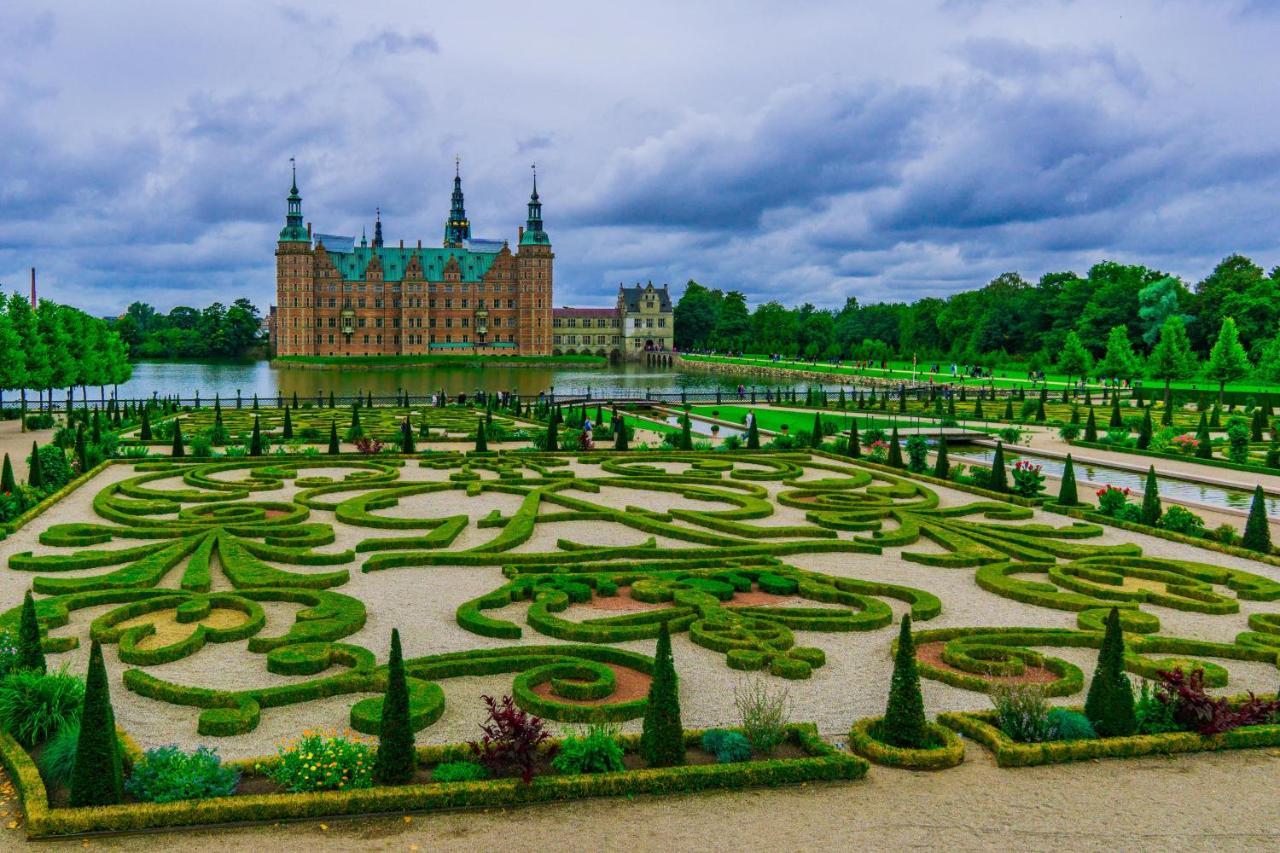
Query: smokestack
x=33, y=287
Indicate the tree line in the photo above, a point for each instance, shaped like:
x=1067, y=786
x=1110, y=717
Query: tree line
x=217, y=331
x=57, y=346
x=1012, y=320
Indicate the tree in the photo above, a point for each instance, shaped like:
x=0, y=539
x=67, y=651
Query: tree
x=13, y=360
x=1109, y=705
x=619, y=433
x=1257, y=530
x=1151, y=509
x=482, y=440
x=941, y=465
x=553, y=439
x=30, y=651
x=853, y=449
x=999, y=481
x=815, y=438
x=753, y=434
x=686, y=433
x=57, y=341
x=1145, y=429
x=1227, y=360
x=1119, y=361
x=696, y=315
x=8, y=483
x=97, y=777
x=1158, y=303
x=895, y=449
x=396, y=758
x=1067, y=494
x=287, y=432
x=1074, y=359
x=904, y=724
x=178, y=450
x=255, y=438
x=662, y=736
x=334, y=449
x=1269, y=361
x=35, y=471
x=406, y=436
x=1091, y=427
x=23, y=318
x=1171, y=359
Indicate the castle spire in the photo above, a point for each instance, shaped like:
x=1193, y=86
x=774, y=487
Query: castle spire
x=457, y=229
x=377, y=228
x=294, y=230
x=533, y=233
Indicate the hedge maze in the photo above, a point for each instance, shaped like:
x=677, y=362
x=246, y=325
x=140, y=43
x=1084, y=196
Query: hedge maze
x=574, y=556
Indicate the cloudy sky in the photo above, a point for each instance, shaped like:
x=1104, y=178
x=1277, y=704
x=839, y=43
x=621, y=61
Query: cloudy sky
x=794, y=150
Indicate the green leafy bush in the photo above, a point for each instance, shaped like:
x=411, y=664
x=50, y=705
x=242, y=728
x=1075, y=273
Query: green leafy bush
x=459, y=771
x=1069, y=725
x=54, y=467
x=762, y=714
x=728, y=747
x=59, y=755
x=34, y=705
x=596, y=751
x=1154, y=715
x=1022, y=713
x=1178, y=519
x=167, y=773
x=320, y=762
x=1010, y=435
x=917, y=454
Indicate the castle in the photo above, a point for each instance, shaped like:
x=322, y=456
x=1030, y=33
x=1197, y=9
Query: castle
x=470, y=296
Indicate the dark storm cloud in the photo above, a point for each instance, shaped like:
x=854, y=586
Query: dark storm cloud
x=909, y=149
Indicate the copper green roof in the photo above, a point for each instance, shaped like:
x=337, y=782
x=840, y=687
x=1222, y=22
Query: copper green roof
x=352, y=265
x=535, y=238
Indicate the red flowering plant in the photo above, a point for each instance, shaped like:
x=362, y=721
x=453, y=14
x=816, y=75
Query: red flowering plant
x=1112, y=500
x=513, y=738
x=1209, y=715
x=368, y=445
x=1185, y=443
x=1028, y=481
x=879, y=451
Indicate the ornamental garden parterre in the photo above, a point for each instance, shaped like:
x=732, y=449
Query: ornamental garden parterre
x=294, y=632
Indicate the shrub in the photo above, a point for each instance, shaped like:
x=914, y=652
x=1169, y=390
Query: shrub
x=30, y=652
x=917, y=454
x=1010, y=435
x=1154, y=715
x=1069, y=725
x=1109, y=705
x=396, y=757
x=1028, y=481
x=904, y=722
x=58, y=758
x=1069, y=432
x=762, y=714
x=1209, y=715
x=459, y=771
x=997, y=481
x=1021, y=712
x=1225, y=533
x=167, y=773
x=1112, y=500
x=34, y=705
x=10, y=659
x=1178, y=519
x=97, y=778
x=728, y=747
x=55, y=470
x=324, y=762
x=596, y=751
x=512, y=738
x=1238, y=433
x=201, y=445
x=1257, y=529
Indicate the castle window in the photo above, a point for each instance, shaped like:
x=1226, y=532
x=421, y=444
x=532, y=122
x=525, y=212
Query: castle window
x=448, y=322
x=432, y=324
x=464, y=339
x=377, y=303
x=431, y=303
x=379, y=337
x=360, y=322
x=366, y=339
x=511, y=303
x=360, y=302
x=464, y=303
x=464, y=322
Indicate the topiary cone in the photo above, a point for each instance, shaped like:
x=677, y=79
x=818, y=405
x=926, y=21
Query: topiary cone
x=662, y=738
x=97, y=778
x=30, y=652
x=334, y=449
x=904, y=724
x=1109, y=705
x=1257, y=530
x=396, y=758
x=1067, y=494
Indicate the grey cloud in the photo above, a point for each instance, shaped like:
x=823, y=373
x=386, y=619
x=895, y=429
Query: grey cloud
x=394, y=43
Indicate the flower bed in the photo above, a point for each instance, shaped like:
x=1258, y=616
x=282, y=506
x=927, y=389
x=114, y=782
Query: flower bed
x=981, y=726
x=949, y=751
x=814, y=760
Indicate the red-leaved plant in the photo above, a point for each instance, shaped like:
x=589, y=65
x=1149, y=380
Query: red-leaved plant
x=512, y=737
x=365, y=444
x=1209, y=715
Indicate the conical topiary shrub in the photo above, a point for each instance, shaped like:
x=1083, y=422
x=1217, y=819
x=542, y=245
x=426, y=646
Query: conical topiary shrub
x=1151, y=509
x=255, y=438
x=30, y=652
x=1257, y=531
x=815, y=438
x=1116, y=420
x=145, y=432
x=1067, y=493
x=1008, y=409
x=35, y=471
x=941, y=465
x=355, y=430
x=686, y=433
x=178, y=450
x=904, y=724
x=553, y=437
x=1091, y=427
x=1144, y=430
x=662, y=738
x=854, y=449
x=753, y=434
x=334, y=449
x=287, y=433
x=396, y=758
x=619, y=433
x=895, y=449
x=97, y=777
x=82, y=452
x=1109, y=705
x=1204, y=449
x=999, y=481
x=482, y=440
x=8, y=484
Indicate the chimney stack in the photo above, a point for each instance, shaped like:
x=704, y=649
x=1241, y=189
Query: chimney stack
x=308, y=230
x=402, y=243
x=419, y=242
x=33, y=287
x=521, y=234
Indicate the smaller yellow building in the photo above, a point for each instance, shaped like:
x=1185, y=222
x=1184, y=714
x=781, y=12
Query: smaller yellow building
x=648, y=323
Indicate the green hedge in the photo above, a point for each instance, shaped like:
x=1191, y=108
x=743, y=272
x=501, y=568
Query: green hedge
x=981, y=727
x=820, y=762
x=864, y=740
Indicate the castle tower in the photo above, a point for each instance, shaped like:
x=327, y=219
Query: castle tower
x=533, y=264
x=377, y=228
x=294, y=268
x=457, y=230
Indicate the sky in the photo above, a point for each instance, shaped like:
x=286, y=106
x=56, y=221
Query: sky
x=797, y=151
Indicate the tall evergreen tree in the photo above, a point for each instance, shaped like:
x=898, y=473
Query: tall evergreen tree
x=96, y=776
x=619, y=433
x=815, y=438
x=1227, y=360
x=1116, y=421
x=334, y=449
x=553, y=438
x=941, y=465
x=1151, y=509
x=287, y=432
x=753, y=434
x=178, y=450
x=904, y=724
x=8, y=484
x=35, y=470
x=1067, y=495
x=406, y=437
x=1091, y=427
x=145, y=432
x=30, y=651
x=1109, y=705
x=999, y=477
x=396, y=759
x=895, y=449
x=255, y=438
x=1145, y=430
x=1204, y=447
x=1257, y=531
x=482, y=440
x=854, y=448
x=662, y=737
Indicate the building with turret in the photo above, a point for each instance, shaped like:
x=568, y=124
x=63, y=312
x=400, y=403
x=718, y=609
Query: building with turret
x=467, y=296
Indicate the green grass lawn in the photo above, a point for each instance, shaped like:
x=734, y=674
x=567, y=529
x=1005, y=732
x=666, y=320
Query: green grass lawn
x=1004, y=377
x=773, y=420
